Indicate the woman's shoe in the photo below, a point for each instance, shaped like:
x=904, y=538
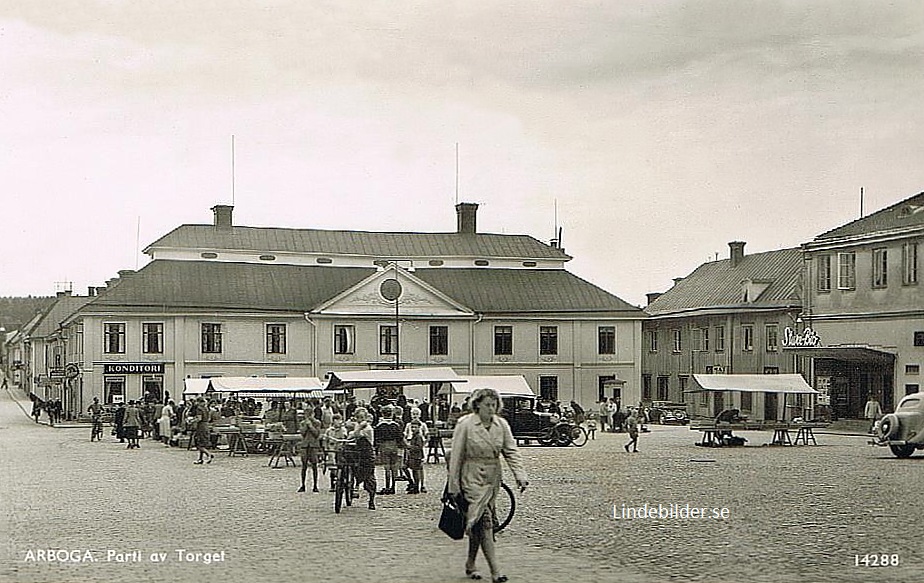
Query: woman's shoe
x=197, y=462
x=472, y=574
x=211, y=457
x=500, y=579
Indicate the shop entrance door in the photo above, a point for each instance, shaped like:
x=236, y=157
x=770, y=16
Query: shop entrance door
x=771, y=406
x=718, y=403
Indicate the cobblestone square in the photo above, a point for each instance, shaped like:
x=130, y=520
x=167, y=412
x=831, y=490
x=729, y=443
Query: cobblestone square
x=771, y=515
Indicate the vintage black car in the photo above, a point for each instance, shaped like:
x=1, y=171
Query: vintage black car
x=530, y=425
x=668, y=413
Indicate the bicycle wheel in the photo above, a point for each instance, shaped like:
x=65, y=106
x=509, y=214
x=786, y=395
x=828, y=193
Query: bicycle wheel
x=578, y=435
x=348, y=490
x=505, y=504
x=341, y=490
x=562, y=436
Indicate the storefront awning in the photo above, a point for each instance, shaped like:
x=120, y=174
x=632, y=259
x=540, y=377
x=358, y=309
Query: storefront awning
x=851, y=353
x=248, y=386
x=392, y=378
x=752, y=383
x=506, y=385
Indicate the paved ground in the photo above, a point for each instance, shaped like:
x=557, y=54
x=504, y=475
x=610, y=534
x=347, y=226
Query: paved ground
x=793, y=514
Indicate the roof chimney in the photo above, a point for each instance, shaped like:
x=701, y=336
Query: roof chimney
x=736, y=252
x=677, y=280
x=222, y=216
x=91, y=291
x=465, y=215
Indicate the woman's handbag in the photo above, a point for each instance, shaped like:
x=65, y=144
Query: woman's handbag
x=452, y=518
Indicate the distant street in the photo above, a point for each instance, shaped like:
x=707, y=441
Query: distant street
x=772, y=514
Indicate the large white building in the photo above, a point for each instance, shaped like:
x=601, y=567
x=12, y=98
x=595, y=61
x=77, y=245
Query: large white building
x=225, y=300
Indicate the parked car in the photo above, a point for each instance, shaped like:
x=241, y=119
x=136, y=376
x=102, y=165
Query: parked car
x=668, y=413
x=528, y=424
x=903, y=430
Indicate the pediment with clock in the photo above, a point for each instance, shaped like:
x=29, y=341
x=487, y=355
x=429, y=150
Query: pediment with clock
x=378, y=294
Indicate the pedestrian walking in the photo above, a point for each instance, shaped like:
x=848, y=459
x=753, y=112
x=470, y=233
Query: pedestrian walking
x=872, y=411
x=36, y=409
x=387, y=435
x=118, y=419
x=632, y=428
x=165, y=422
x=364, y=435
x=131, y=426
x=415, y=436
x=200, y=421
x=478, y=441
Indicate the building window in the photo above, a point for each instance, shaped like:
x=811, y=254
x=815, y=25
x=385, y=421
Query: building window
x=911, y=389
x=824, y=273
x=880, y=268
x=439, y=340
x=912, y=369
x=652, y=341
x=548, y=388
x=747, y=337
x=919, y=338
x=114, y=389
x=701, y=339
x=601, y=386
x=771, y=370
x=719, y=338
x=646, y=387
x=704, y=398
x=548, y=340
x=388, y=339
x=606, y=340
x=114, y=338
x=211, y=338
x=677, y=335
x=773, y=337
x=152, y=388
x=746, y=401
x=910, y=263
x=503, y=340
x=152, y=337
x=846, y=271
x=343, y=339
x=664, y=388
x=275, y=338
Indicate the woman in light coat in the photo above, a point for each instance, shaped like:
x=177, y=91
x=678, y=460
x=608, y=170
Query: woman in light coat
x=165, y=421
x=478, y=441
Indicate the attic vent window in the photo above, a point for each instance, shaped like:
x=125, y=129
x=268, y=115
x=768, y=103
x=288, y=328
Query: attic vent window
x=435, y=262
x=209, y=255
x=482, y=262
x=324, y=260
x=267, y=258
x=529, y=264
x=380, y=263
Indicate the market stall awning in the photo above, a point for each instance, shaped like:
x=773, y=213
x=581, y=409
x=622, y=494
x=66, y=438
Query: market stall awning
x=752, y=383
x=266, y=384
x=195, y=386
x=506, y=385
x=392, y=378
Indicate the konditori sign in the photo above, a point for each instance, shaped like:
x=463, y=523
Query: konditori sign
x=133, y=368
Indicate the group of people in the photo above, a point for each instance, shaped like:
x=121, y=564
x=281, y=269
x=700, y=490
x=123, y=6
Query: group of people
x=52, y=407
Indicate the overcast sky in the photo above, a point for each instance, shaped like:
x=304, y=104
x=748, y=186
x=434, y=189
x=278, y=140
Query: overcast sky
x=660, y=130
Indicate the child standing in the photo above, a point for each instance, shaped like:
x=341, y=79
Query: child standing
x=632, y=428
x=415, y=435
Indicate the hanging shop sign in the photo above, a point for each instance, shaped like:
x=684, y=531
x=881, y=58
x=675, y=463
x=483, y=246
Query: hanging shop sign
x=807, y=338
x=133, y=368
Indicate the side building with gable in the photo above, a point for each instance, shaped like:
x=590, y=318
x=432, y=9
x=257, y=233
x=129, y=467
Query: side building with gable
x=729, y=316
x=865, y=304
x=226, y=300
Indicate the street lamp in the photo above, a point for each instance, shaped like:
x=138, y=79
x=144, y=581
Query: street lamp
x=391, y=291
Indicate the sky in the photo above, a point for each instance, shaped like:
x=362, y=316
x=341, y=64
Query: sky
x=652, y=133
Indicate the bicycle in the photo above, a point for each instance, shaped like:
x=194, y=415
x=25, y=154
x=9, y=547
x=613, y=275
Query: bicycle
x=347, y=458
x=505, y=505
x=96, y=432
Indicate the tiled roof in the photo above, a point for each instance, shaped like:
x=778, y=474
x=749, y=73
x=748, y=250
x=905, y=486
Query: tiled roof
x=62, y=307
x=271, y=240
x=907, y=213
x=220, y=285
x=719, y=285
x=521, y=290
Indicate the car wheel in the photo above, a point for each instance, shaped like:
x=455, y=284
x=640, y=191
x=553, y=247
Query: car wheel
x=902, y=451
